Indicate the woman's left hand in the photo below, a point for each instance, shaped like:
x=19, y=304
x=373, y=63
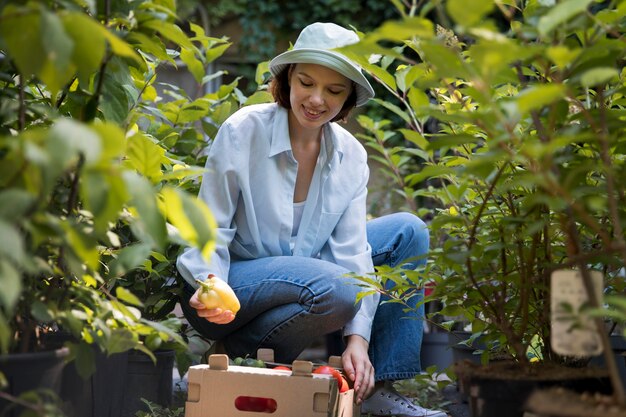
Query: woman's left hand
x=357, y=366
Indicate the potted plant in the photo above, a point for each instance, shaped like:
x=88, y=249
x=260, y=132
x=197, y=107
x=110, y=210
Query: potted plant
x=524, y=165
x=76, y=170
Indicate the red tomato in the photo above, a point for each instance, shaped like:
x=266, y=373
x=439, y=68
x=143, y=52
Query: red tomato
x=344, y=384
x=282, y=368
x=256, y=404
x=329, y=370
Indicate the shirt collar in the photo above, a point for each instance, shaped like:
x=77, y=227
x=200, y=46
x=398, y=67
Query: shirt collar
x=280, y=136
x=280, y=133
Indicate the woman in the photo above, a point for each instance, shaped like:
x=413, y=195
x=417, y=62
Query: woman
x=288, y=188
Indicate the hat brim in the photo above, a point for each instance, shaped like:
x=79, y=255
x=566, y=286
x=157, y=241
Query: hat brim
x=329, y=59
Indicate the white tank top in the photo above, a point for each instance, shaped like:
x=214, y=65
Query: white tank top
x=298, y=209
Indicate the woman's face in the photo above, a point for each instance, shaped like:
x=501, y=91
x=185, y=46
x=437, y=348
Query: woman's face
x=317, y=94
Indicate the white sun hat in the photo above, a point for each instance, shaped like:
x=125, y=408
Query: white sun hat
x=314, y=46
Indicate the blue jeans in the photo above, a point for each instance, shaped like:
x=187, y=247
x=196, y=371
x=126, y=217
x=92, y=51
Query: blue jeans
x=287, y=302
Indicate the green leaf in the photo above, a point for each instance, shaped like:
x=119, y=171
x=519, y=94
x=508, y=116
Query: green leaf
x=145, y=156
x=381, y=75
x=150, y=45
x=446, y=62
x=149, y=224
x=104, y=193
x=402, y=30
x=417, y=98
x=193, y=111
x=15, y=250
x=395, y=109
x=469, y=14
x=119, y=46
x=84, y=358
x=259, y=97
x=128, y=297
x=89, y=43
x=261, y=69
x=561, y=55
x=597, y=76
x=560, y=14
x=41, y=312
x=170, y=32
x=113, y=141
x=6, y=333
x=120, y=340
x=491, y=57
x=536, y=97
x=83, y=247
x=67, y=138
x=21, y=202
x=193, y=64
x=116, y=97
x=415, y=138
x=129, y=258
x=58, y=47
x=23, y=46
x=11, y=284
x=216, y=52
x=192, y=219
x=445, y=141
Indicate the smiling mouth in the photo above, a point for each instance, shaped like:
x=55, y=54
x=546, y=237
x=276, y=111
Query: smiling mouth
x=312, y=114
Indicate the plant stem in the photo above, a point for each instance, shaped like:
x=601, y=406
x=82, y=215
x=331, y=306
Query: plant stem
x=592, y=297
x=21, y=120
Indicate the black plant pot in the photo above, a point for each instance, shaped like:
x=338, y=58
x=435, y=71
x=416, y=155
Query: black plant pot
x=99, y=395
x=147, y=380
x=29, y=371
x=496, y=395
x=436, y=350
x=102, y=393
x=463, y=352
x=618, y=345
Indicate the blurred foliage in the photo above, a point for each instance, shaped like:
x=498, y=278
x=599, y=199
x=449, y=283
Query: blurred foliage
x=265, y=23
x=515, y=135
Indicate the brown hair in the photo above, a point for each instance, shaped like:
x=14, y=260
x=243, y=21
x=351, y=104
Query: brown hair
x=280, y=89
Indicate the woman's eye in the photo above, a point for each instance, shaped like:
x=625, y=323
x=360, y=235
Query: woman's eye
x=305, y=84
x=335, y=92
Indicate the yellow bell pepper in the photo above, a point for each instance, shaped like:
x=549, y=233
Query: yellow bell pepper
x=216, y=293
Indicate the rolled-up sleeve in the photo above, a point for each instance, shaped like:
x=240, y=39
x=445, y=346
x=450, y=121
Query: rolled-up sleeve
x=220, y=191
x=348, y=247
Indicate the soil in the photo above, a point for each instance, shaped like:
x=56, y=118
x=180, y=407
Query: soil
x=559, y=402
x=535, y=371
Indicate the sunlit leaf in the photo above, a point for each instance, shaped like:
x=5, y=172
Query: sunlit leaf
x=259, y=97
x=10, y=282
x=213, y=53
x=539, y=96
x=170, y=32
x=25, y=47
x=145, y=156
x=195, y=67
x=127, y=296
x=597, y=76
x=120, y=340
x=149, y=224
x=469, y=14
x=560, y=14
x=58, y=47
x=192, y=219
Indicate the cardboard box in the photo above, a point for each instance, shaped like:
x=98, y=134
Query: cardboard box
x=222, y=390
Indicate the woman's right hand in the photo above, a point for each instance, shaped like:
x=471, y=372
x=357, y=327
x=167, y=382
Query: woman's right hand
x=214, y=315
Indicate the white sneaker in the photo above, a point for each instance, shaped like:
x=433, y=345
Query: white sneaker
x=386, y=401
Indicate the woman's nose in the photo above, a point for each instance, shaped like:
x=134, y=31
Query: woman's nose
x=316, y=97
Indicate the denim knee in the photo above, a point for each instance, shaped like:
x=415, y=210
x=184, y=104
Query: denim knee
x=344, y=305
x=416, y=231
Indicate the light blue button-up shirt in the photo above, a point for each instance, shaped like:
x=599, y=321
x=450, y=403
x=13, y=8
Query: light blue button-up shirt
x=249, y=187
